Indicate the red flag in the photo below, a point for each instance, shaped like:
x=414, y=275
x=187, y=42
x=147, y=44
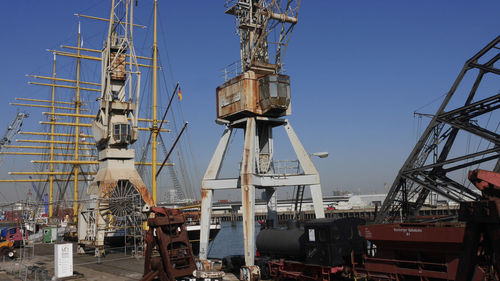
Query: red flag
x=179, y=94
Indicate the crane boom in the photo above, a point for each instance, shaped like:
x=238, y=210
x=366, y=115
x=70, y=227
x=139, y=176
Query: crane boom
x=13, y=129
x=256, y=20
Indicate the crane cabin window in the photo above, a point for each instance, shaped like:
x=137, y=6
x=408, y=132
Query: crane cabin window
x=283, y=87
x=121, y=133
x=263, y=89
x=274, y=94
x=274, y=86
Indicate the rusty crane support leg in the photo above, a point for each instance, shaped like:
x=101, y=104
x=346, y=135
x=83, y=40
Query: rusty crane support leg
x=248, y=192
x=207, y=191
x=255, y=172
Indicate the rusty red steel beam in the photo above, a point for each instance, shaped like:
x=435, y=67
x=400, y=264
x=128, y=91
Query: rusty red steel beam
x=481, y=247
x=460, y=251
x=166, y=230
x=483, y=179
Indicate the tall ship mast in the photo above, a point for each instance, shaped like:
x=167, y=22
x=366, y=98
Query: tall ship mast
x=65, y=157
x=71, y=161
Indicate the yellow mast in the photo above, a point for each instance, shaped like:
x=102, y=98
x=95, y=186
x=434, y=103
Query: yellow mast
x=37, y=147
x=54, y=105
x=77, y=131
x=52, y=127
x=155, y=121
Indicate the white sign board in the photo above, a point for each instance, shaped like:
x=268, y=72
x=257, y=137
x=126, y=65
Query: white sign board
x=63, y=260
x=312, y=236
x=53, y=235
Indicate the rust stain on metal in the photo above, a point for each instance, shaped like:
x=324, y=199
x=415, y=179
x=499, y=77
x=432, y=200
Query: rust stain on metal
x=167, y=235
x=246, y=185
x=204, y=193
x=107, y=181
x=238, y=97
x=211, y=171
x=118, y=66
x=250, y=273
x=146, y=196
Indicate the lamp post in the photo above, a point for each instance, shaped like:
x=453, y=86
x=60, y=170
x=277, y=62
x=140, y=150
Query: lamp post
x=322, y=154
x=300, y=188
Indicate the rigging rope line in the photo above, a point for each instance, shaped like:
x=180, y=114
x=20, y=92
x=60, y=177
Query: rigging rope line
x=431, y=102
x=187, y=175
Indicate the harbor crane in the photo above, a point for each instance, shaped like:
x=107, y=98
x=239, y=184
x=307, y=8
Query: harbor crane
x=256, y=100
x=117, y=183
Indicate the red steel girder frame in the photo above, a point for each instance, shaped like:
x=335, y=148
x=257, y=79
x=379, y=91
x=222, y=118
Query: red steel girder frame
x=167, y=236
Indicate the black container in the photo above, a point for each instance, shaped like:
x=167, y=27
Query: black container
x=282, y=243
x=329, y=242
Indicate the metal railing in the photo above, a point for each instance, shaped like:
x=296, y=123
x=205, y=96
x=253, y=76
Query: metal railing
x=232, y=70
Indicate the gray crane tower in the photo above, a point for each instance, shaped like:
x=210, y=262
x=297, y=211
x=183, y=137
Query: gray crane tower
x=256, y=100
x=117, y=183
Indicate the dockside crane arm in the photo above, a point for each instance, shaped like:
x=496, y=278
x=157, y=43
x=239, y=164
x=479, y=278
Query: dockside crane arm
x=256, y=19
x=13, y=129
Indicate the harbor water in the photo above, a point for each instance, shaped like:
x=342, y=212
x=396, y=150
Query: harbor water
x=229, y=241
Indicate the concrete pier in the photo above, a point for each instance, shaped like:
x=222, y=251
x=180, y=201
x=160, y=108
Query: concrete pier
x=367, y=213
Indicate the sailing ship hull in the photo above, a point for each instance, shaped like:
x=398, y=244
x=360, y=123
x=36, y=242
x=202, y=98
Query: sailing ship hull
x=194, y=235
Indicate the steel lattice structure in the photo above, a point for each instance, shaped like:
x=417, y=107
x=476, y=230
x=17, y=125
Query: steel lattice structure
x=463, y=114
x=117, y=176
x=256, y=20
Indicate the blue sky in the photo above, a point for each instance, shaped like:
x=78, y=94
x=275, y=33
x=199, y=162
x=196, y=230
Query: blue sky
x=359, y=69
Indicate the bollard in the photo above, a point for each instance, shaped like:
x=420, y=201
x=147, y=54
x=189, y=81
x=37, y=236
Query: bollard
x=250, y=273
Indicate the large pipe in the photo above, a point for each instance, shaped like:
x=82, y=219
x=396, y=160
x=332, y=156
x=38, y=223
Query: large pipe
x=283, y=18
